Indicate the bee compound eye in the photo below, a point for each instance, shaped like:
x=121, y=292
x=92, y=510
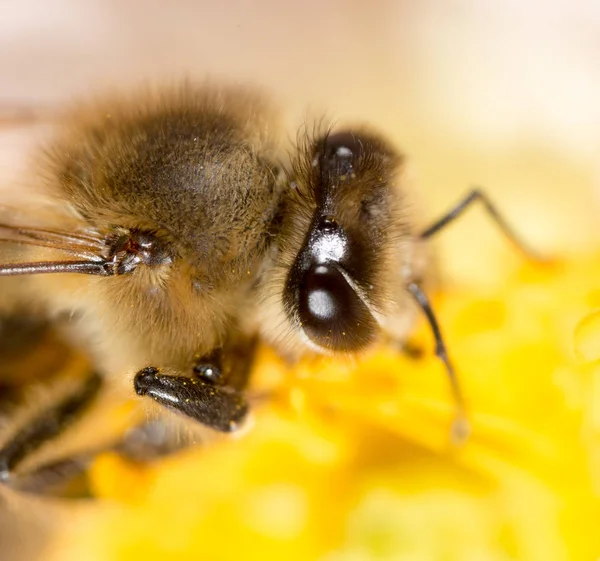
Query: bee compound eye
x=343, y=145
x=331, y=314
x=338, y=155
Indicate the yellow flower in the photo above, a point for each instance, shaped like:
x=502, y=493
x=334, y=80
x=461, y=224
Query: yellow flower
x=353, y=461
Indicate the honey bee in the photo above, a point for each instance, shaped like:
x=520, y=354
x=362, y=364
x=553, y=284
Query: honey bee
x=179, y=235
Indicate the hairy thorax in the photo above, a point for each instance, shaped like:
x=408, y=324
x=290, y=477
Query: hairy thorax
x=184, y=187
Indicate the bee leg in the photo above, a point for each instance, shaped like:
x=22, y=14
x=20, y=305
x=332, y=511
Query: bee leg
x=218, y=407
x=150, y=441
x=460, y=427
x=213, y=395
x=43, y=428
x=478, y=195
x=64, y=478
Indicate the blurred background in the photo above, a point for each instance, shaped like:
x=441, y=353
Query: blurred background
x=503, y=95
x=475, y=92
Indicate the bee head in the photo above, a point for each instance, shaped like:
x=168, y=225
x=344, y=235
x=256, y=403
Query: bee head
x=341, y=281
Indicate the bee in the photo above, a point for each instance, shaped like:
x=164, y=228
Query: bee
x=352, y=265
x=177, y=238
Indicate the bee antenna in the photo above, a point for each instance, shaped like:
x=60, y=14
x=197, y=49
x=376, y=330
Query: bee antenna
x=101, y=268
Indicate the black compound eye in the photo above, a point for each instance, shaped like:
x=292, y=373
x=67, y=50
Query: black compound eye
x=331, y=313
x=339, y=153
x=342, y=145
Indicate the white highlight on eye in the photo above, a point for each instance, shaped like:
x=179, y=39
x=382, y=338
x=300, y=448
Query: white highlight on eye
x=344, y=152
x=329, y=247
x=321, y=304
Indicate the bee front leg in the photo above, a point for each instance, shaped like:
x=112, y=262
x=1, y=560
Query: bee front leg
x=49, y=424
x=460, y=427
x=478, y=196
x=151, y=440
x=218, y=407
x=213, y=395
